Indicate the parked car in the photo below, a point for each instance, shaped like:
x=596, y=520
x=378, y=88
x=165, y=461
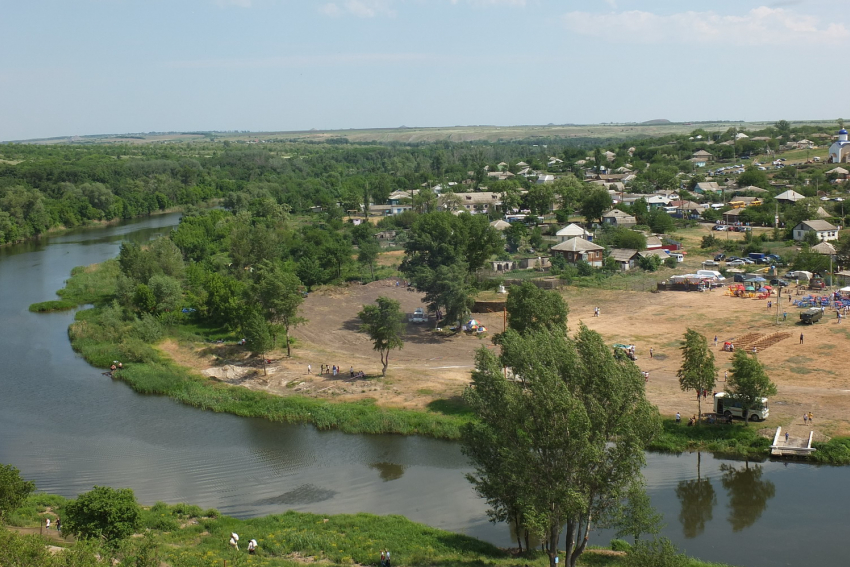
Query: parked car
x=418, y=316
x=719, y=257
x=812, y=315
x=779, y=283
x=719, y=227
x=735, y=263
x=710, y=263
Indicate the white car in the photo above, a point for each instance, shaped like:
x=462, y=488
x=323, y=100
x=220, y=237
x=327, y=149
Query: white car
x=418, y=316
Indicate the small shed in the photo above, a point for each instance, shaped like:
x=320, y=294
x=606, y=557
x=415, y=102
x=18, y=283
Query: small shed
x=625, y=257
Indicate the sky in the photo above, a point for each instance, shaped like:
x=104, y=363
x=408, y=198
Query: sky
x=78, y=67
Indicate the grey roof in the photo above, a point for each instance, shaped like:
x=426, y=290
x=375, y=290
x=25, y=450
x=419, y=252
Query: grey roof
x=824, y=248
x=623, y=254
x=572, y=229
x=816, y=225
x=500, y=224
x=708, y=186
x=616, y=213
x=789, y=196
x=576, y=245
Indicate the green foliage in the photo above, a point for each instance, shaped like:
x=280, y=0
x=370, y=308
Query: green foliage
x=384, y=323
x=13, y=490
x=103, y=513
x=709, y=242
x=657, y=553
x=573, y=418
x=627, y=238
x=532, y=309
x=698, y=371
x=620, y=545
x=55, y=305
x=649, y=263
x=748, y=381
x=670, y=262
x=258, y=339
x=595, y=202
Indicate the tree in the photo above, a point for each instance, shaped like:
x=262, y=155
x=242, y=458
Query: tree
x=532, y=309
x=748, y=494
x=636, y=516
x=448, y=288
x=540, y=198
x=698, y=371
x=595, y=202
x=103, y=513
x=561, y=441
x=258, y=338
x=13, y=490
x=630, y=239
x=278, y=293
x=384, y=323
x=368, y=251
x=748, y=382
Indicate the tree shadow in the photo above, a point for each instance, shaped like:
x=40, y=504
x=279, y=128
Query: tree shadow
x=454, y=405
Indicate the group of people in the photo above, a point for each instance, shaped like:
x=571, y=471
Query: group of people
x=252, y=544
x=48, y=521
x=808, y=418
x=385, y=558
x=332, y=370
x=116, y=366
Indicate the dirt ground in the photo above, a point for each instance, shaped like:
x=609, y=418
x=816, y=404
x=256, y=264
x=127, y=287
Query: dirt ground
x=810, y=377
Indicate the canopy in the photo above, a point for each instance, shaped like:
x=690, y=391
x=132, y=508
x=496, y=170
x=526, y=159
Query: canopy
x=845, y=288
x=758, y=279
x=472, y=323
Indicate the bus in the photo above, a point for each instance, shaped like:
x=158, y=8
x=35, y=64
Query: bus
x=726, y=405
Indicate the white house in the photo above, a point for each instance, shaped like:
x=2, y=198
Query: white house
x=573, y=230
x=824, y=230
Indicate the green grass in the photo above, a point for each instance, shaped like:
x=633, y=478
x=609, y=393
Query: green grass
x=733, y=440
x=55, y=305
x=91, y=284
x=186, y=536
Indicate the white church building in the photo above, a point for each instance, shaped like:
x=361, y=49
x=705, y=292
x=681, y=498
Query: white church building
x=839, y=152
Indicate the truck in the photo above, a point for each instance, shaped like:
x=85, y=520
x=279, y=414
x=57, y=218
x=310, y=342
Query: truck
x=811, y=315
x=729, y=406
x=418, y=316
x=817, y=283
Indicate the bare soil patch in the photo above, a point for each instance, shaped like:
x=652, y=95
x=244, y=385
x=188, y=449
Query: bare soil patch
x=811, y=377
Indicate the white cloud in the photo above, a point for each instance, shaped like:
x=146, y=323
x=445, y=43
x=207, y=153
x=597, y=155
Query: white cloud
x=759, y=26
x=492, y=2
x=359, y=8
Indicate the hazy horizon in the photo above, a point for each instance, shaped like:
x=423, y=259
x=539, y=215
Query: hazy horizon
x=126, y=66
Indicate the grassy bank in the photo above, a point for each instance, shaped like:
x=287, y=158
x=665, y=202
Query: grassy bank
x=186, y=536
x=55, y=305
x=733, y=440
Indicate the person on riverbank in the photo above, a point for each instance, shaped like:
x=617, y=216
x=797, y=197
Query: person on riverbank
x=309, y=369
x=252, y=547
x=388, y=564
x=47, y=524
x=58, y=525
x=234, y=541
x=811, y=418
x=383, y=558
x=678, y=418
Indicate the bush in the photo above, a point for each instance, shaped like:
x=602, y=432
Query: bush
x=658, y=553
x=13, y=490
x=103, y=513
x=709, y=242
x=56, y=305
x=620, y=545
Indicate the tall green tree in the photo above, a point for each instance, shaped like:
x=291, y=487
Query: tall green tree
x=749, y=382
x=13, y=490
x=533, y=309
x=595, y=202
x=278, y=293
x=384, y=323
x=698, y=371
x=258, y=337
x=563, y=440
x=367, y=254
x=448, y=288
x=103, y=513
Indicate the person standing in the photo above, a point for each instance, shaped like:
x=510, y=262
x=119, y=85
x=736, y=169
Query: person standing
x=252, y=547
x=715, y=341
x=47, y=523
x=650, y=352
x=309, y=369
x=801, y=338
x=234, y=541
x=786, y=437
x=58, y=525
x=383, y=558
x=811, y=418
x=678, y=418
x=805, y=418
x=725, y=375
x=388, y=558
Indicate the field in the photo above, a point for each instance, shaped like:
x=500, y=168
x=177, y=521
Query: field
x=432, y=134
x=432, y=370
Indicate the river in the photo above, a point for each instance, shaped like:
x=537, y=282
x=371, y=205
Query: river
x=68, y=428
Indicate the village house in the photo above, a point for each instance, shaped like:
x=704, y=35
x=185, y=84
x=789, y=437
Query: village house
x=576, y=249
x=839, y=151
x=625, y=257
x=573, y=230
x=616, y=217
x=789, y=197
x=701, y=157
x=480, y=202
x=822, y=229
x=708, y=187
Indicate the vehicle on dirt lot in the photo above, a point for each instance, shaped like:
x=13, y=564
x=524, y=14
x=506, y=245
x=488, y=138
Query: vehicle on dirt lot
x=778, y=282
x=418, y=316
x=817, y=283
x=729, y=407
x=811, y=315
x=720, y=257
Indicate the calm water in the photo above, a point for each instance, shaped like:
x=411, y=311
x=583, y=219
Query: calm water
x=68, y=428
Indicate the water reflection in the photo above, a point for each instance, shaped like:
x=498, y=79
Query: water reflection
x=388, y=471
x=697, y=498
x=748, y=494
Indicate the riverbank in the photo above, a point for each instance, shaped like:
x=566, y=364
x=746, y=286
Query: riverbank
x=183, y=535
x=100, y=336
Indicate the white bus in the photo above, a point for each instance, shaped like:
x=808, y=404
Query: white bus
x=727, y=406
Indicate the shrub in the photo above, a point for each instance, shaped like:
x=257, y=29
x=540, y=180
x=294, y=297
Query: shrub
x=658, y=553
x=620, y=545
x=104, y=512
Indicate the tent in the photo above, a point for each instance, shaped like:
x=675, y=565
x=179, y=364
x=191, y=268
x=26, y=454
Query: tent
x=757, y=279
x=846, y=289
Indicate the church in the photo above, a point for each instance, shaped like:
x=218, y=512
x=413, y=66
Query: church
x=839, y=152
